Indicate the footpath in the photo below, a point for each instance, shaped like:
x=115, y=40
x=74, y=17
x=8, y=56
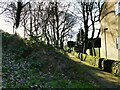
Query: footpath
x=107, y=80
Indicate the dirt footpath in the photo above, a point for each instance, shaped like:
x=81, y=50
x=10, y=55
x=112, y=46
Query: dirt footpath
x=107, y=80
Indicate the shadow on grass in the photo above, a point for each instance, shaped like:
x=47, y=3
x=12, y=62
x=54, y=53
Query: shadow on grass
x=41, y=66
x=44, y=68
x=103, y=78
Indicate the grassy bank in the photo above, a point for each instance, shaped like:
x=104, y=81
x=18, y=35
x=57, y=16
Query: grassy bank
x=39, y=66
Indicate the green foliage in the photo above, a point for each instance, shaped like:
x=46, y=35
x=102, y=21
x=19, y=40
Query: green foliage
x=40, y=66
x=111, y=66
x=70, y=44
x=9, y=40
x=116, y=68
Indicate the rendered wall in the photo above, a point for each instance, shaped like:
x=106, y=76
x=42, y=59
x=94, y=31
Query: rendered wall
x=109, y=20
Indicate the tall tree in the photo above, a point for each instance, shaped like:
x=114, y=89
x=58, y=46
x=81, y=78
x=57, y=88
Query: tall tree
x=90, y=16
x=62, y=22
x=48, y=21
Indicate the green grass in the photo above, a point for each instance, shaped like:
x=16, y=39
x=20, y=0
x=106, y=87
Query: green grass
x=40, y=66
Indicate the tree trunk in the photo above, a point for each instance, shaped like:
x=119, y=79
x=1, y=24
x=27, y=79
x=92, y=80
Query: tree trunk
x=30, y=19
x=57, y=23
x=61, y=44
x=91, y=51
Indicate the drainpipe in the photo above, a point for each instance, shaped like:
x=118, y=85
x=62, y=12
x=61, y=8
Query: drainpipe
x=117, y=13
x=118, y=37
x=105, y=41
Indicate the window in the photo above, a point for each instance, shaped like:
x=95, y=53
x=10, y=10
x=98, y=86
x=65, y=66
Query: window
x=118, y=43
x=117, y=8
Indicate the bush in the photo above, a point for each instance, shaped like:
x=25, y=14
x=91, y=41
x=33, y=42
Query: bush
x=11, y=41
x=110, y=66
x=100, y=63
x=116, y=68
x=92, y=60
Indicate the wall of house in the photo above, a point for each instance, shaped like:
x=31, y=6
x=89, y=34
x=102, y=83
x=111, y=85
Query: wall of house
x=109, y=20
x=119, y=36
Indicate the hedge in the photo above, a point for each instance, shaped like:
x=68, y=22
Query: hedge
x=111, y=66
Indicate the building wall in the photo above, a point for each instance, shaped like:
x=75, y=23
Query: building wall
x=119, y=36
x=109, y=20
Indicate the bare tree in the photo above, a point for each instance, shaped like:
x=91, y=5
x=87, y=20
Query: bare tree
x=62, y=22
x=48, y=21
x=9, y=10
x=90, y=16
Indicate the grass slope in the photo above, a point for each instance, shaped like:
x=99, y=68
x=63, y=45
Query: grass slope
x=39, y=66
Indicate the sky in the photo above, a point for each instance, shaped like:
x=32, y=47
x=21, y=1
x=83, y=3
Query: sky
x=8, y=27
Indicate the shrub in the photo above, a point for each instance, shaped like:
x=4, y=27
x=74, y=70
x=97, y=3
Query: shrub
x=116, y=68
x=108, y=65
x=11, y=41
x=100, y=63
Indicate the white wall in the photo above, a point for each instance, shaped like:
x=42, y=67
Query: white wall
x=109, y=21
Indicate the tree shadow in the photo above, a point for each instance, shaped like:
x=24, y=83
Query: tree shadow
x=104, y=78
